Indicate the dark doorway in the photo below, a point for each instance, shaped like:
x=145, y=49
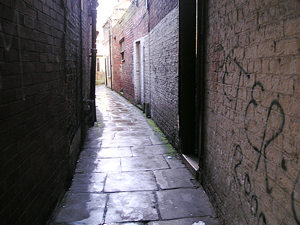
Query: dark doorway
x=192, y=22
x=138, y=72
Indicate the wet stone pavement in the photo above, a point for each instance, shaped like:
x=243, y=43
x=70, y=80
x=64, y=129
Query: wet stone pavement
x=124, y=175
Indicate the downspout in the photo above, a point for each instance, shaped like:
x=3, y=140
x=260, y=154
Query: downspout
x=93, y=61
x=110, y=58
x=202, y=44
x=148, y=105
x=82, y=114
x=105, y=72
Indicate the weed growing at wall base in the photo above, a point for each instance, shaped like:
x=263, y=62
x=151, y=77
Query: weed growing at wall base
x=160, y=134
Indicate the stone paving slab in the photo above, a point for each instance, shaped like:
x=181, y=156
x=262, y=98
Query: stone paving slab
x=174, y=162
x=125, y=224
x=174, y=178
x=96, y=143
x=93, y=133
x=131, y=206
x=93, y=182
x=82, y=208
x=155, y=140
x=130, y=181
x=106, y=152
x=99, y=165
x=114, y=152
x=182, y=203
x=144, y=163
x=126, y=142
x=186, y=221
x=131, y=133
x=150, y=150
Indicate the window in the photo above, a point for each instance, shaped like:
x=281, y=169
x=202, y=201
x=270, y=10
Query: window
x=107, y=62
x=98, y=64
x=122, y=50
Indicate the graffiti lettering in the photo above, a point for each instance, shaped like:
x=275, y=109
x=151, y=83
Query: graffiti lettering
x=262, y=219
x=254, y=205
x=283, y=164
x=262, y=150
x=296, y=189
x=238, y=150
x=224, y=66
x=248, y=191
x=247, y=184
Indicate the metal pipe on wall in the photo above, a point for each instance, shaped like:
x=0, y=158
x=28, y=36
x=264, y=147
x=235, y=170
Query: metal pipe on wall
x=93, y=61
x=110, y=56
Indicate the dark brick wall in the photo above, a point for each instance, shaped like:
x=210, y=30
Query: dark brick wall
x=43, y=78
x=159, y=9
x=163, y=75
x=251, y=165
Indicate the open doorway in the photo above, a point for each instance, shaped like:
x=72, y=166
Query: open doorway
x=192, y=22
x=138, y=73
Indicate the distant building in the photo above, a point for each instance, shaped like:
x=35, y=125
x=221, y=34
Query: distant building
x=118, y=11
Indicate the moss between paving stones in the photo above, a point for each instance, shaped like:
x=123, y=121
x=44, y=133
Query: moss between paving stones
x=99, y=124
x=160, y=134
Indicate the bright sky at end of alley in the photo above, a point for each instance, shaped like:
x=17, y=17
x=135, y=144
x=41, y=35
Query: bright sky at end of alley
x=104, y=10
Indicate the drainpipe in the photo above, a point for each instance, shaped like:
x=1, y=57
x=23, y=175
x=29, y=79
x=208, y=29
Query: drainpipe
x=93, y=61
x=82, y=113
x=148, y=104
x=110, y=56
x=105, y=71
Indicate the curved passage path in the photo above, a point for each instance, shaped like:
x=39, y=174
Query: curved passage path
x=124, y=175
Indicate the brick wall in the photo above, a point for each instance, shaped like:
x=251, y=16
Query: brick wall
x=43, y=70
x=163, y=74
x=251, y=166
x=132, y=26
x=155, y=28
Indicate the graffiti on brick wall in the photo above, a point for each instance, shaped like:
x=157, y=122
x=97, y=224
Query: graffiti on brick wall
x=269, y=133
x=270, y=128
x=246, y=191
x=7, y=43
x=295, y=209
x=226, y=62
x=264, y=121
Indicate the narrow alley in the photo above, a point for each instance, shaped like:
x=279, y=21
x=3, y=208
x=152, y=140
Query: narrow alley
x=197, y=120
x=125, y=174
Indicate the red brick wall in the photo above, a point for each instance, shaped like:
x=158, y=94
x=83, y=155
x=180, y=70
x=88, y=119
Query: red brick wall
x=251, y=164
x=132, y=26
x=41, y=69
